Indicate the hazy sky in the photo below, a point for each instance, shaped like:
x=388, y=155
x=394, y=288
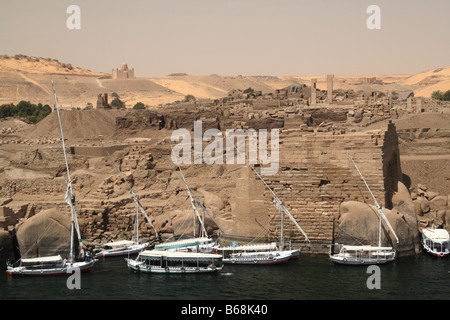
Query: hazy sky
x=230, y=37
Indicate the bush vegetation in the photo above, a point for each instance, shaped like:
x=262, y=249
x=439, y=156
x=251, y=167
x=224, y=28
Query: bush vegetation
x=27, y=110
x=439, y=95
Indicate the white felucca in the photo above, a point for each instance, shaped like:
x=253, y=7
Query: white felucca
x=366, y=255
x=264, y=253
x=203, y=243
x=79, y=258
x=127, y=247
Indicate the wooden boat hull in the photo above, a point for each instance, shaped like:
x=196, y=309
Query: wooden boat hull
x=434, y=253
x=258, y=260
x=359, y=262
x=84, y=266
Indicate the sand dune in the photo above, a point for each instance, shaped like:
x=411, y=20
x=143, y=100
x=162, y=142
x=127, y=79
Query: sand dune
x=21, y=63
x=29, y=78
x=430, y=76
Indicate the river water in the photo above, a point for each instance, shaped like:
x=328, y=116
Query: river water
x=312, y=277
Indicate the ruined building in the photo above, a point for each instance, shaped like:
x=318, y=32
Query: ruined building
x=102, y=101
x=316, y=176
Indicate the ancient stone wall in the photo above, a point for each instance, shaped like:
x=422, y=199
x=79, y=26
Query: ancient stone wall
x=316, y=175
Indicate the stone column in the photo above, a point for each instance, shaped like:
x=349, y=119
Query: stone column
x=418, y=104
x=313, y=91
x=409, y=105
x=330, y=88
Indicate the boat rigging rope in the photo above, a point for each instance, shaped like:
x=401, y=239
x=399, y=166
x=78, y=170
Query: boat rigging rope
x=37, y=240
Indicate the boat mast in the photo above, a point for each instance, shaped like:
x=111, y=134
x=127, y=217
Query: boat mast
x=197, y=199
x=280, y=207
x=380, y=211
x=135, y=198
x=203, y=233
x=69, y=198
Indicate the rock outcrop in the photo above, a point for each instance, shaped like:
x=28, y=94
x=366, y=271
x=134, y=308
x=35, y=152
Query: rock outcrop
x=46, y=233
x=359, y=225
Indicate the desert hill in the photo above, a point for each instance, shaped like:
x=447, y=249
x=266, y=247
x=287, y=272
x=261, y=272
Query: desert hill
x=29, y=78
x=314, y=176
x=25, y=64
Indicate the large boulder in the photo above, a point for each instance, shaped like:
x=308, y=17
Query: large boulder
x=46, y=233
x=359, y=224
x=402, y=201
x=6, y=246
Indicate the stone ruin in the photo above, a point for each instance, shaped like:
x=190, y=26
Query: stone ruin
x=316, y=179
x=102, y=101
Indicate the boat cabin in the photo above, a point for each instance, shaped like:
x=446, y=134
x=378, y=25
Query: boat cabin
x=436, y=241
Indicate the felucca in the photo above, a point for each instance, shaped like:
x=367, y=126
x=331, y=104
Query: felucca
x=54, y=265
x=366, y=255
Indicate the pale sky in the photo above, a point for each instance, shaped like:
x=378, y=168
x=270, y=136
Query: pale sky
x=230, y=37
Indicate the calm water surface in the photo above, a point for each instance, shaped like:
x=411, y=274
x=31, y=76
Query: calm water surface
x=310, y=277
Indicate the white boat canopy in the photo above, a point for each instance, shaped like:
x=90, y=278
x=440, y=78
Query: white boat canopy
x=176, y=254
x=365, y=248
x=57, y=258
x=120, y=243
x=258, y=247
x=182, y=243
x=439, y=235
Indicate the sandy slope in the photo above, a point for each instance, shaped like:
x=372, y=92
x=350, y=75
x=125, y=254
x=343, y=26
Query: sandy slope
x=29, y=78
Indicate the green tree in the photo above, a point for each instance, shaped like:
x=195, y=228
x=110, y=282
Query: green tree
x=189, y=98
x=139, y=106
x=25, y=109
x=436, y=95
x=446, y=96
x=117, y=103
x=439, y=95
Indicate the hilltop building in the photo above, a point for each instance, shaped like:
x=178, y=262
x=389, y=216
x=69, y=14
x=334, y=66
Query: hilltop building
x=123, y=72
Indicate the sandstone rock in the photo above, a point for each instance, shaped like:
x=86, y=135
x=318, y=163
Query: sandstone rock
x=163, y=224
x=359, y=223
x=402, y=201
x=440, y=218
x=422, y=187
x=212, y=201
x=424, y=204
x=431, y=195
x=6, y=246
x=447, y=220
x=46, y=233
x=438, y=202
x=418, y=208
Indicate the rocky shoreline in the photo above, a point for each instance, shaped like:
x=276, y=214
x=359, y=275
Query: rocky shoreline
x=315, y=180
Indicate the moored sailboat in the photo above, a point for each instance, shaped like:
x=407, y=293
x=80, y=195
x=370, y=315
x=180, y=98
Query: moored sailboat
x=203, y=242
x=127, y=247
x=365, y=254
x=79, y=257
x=264, y=253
